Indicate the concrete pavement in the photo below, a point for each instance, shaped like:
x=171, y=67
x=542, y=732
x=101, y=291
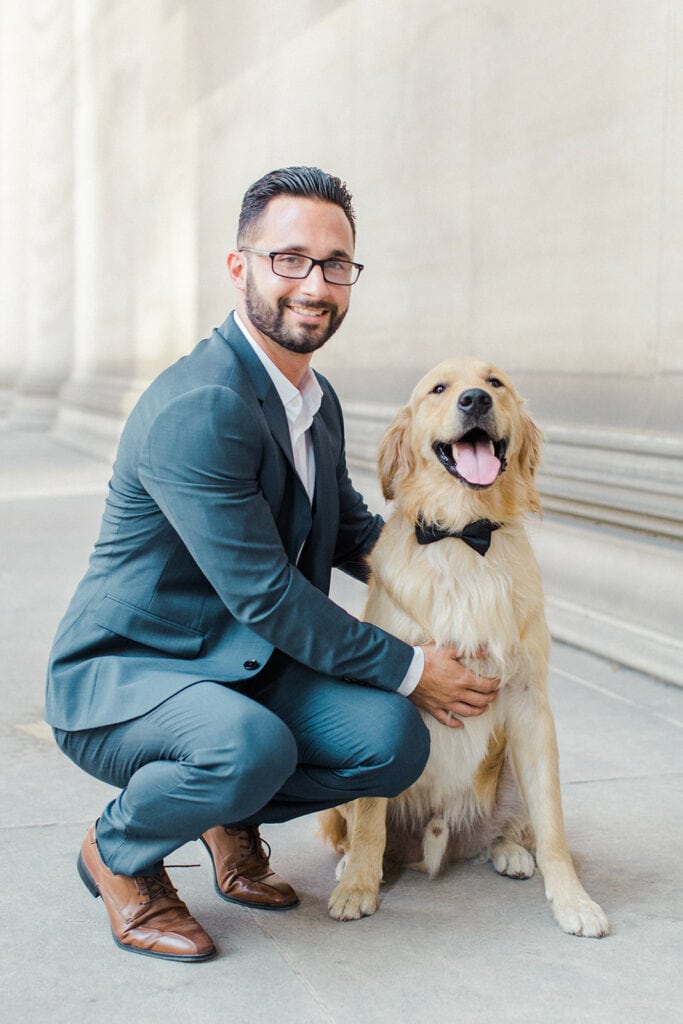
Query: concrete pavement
x=468, y=946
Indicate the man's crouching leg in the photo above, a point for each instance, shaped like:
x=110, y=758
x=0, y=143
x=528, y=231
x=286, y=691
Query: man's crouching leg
x=205, y=756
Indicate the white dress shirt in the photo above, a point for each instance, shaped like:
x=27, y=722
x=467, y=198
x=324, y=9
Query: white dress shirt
x=301, y=404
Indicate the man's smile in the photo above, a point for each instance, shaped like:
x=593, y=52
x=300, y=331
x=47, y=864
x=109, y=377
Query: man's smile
x=308, y=312
x=301, y=325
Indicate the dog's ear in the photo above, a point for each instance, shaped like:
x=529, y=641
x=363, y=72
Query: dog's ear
x=529, y=456
x=395, y=459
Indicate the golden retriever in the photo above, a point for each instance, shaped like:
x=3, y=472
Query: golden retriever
x=463, y=451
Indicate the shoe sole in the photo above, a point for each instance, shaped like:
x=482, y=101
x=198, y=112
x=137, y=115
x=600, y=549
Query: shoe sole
x=87, y=879
x=92, y=887
x=232, y=899
x=197, y=958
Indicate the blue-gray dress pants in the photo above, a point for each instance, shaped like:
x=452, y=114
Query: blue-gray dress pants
x=288, y=743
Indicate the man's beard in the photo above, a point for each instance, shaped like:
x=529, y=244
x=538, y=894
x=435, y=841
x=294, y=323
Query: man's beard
x=303, y=339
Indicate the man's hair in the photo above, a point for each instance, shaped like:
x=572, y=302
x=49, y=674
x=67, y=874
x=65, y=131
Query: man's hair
x=306, y=182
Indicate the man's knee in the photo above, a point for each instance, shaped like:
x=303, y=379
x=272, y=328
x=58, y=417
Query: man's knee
x=402, y=746
x=254, y=756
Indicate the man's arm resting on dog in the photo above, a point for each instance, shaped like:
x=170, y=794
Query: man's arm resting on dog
x=446, y=688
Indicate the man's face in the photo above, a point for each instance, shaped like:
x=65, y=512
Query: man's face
x=300, y=315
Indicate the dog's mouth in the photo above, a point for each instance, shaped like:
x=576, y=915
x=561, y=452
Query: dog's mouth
x=476, y=458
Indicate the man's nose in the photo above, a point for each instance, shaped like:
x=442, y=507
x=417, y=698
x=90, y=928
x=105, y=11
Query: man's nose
x=315, y=283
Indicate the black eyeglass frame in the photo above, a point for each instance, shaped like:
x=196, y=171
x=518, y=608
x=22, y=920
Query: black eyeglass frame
x=314, y=263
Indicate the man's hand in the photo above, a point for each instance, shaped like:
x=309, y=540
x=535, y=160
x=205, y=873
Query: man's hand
x=447, y=688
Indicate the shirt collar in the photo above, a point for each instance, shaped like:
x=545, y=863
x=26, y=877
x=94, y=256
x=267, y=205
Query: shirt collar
x=302, y=401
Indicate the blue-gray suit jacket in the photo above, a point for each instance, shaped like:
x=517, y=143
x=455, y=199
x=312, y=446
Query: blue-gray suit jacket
x=193, y=575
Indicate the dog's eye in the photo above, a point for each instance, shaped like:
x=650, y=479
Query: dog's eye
x=438, y=389
x=494, y=382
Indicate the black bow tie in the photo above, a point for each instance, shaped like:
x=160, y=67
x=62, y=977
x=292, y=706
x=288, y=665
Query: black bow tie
x=477, y=534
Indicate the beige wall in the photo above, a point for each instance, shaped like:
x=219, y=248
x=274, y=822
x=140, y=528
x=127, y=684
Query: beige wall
x=516, y=170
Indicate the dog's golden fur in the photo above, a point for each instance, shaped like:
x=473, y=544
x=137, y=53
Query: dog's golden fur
x=491, y=788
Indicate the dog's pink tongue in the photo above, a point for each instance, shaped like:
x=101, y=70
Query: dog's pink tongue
x=476, y=462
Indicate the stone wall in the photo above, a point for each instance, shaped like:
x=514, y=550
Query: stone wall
x=516, y=173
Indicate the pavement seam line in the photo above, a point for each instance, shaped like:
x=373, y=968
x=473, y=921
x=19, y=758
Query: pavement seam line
x=294, y=969
x=623, y=778
x=616, y=696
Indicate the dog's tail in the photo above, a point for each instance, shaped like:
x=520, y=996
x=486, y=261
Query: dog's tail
x=333, y=829
x=434, y=847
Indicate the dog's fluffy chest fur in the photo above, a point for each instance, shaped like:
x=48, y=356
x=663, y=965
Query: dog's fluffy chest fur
x=446, y=593
x=456, y=596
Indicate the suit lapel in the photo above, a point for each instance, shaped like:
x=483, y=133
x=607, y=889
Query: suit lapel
x=314, y=526
x=272, y=407
x=276, y=418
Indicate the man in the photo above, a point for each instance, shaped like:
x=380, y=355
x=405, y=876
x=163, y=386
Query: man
x=201, y=666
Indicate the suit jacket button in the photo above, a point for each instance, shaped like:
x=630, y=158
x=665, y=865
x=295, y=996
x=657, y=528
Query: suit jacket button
x=251, y=664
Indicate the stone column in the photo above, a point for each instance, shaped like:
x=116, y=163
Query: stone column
x=14, y=85
x=110, y=143
x=49, y=208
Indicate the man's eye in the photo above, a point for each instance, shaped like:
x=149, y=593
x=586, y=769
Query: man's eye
x=289, y=260
x=336, y=265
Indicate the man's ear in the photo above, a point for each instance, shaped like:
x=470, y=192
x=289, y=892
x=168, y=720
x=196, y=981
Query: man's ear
x=237, y=269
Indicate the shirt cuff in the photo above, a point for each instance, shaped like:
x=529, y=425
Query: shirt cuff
x=412, y=676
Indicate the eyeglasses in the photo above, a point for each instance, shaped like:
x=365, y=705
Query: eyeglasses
x=296, y=266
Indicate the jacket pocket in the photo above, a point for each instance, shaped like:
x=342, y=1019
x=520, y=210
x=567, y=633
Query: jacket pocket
x=145, y=628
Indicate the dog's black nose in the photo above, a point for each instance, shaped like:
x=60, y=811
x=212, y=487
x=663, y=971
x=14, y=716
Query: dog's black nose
x=475, y=402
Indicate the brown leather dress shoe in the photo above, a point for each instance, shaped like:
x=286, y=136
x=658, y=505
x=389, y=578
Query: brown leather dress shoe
x=147, y=915
x=242, y=870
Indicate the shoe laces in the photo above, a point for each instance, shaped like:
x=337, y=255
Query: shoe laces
x=154, y=887
x=251, y=842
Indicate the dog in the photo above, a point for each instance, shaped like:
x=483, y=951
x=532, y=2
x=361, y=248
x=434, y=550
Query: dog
x=453, y=566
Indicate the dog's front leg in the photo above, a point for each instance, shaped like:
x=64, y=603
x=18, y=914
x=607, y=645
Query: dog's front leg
x=534, y=751
x=357, y=894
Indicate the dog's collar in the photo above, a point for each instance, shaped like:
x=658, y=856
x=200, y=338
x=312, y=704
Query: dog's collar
x=477, y=535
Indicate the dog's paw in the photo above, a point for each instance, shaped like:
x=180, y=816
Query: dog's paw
x=351, y=902
x=582, y=917
x=512, y=860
